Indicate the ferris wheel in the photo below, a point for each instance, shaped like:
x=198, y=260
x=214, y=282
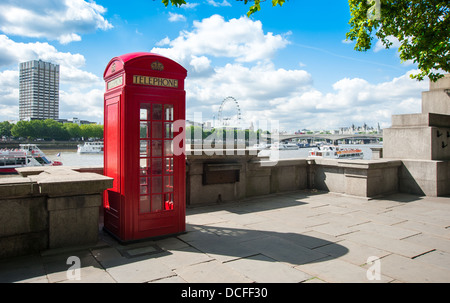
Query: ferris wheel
x=229, y=112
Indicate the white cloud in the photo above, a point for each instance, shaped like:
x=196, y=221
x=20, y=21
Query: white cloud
x=72, y=76
x=217, y=3
x=176, y=17
x=241, y=39
x=82, y=104
x=12, y=53
x=53, y=20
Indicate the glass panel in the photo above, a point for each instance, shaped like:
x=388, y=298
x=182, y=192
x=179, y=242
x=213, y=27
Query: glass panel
x=156, y=148
x=156, y=184
x=156, y=166
x=144, y=204
x=145, y=130
x=144, y=165
x=156, y=130
x=168, y=166
x=168, y=112
x=168, y=183
x=144, y=113
x=168, y=148
x=144, y=149
x=157, y=112
x=168, y=130
x=143, y=190
x=156, y=203
x=168, y=201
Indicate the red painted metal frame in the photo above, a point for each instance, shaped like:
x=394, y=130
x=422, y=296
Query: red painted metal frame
x=122, y=102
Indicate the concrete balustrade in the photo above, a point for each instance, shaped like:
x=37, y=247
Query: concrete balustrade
x=48, y=208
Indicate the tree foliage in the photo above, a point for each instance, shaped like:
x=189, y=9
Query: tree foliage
x=50, y=129
x=422, y=28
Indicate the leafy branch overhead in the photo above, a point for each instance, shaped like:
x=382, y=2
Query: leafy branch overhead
x=420, y=29
x=253, y=9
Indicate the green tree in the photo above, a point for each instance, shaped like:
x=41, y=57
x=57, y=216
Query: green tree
x=422, y=28
x=5, y=129
x=73, y=129
x=94, y=131
x=21, y=129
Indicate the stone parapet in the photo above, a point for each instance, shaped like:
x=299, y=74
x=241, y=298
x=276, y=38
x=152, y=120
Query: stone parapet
x=52, y=207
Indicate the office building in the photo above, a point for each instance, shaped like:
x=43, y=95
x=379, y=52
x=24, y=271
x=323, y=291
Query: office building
x=38, y=90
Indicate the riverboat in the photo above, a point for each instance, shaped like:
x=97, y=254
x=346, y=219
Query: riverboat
x=336, y=152
x=95, y=147
x=24, y=156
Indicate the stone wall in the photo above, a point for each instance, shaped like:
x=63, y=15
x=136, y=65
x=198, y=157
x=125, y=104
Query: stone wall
x=49, y=208
x=254, y=176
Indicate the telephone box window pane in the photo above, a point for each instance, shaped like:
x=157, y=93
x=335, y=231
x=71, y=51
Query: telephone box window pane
x=156, y=148
x=168, y=201
x=168, y=165
x=144, y=204
x=143, y=190
x=144, y=149
x=144, y=113
x=156, y=130
x=157, y=112
x=156, y=184
x=168, y=183
x=145, y=130
x=168, y=112
x=156, y=203
x=168, y=148
x=168, y=130
x=156, y=166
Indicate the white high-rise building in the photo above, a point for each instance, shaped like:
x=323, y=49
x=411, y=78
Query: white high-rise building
x=38, y=90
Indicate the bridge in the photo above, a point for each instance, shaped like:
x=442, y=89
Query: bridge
x=330, y=137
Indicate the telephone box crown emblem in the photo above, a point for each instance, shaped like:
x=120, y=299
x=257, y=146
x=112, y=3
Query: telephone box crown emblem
x=156, y=65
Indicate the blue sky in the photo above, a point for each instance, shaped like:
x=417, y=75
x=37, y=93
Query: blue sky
x=289, y=64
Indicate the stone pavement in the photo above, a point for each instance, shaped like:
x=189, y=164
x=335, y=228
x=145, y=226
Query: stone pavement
x=303, y=236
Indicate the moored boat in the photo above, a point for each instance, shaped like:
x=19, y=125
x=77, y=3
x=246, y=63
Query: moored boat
x=25, y=155
x=90, y=147
x=336, y=152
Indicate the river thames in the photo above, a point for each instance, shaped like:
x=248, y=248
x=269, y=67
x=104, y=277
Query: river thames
x=70, y=157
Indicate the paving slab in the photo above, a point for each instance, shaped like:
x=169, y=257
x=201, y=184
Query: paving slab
x=436, y=258
x=26, y=269
x=401, y=247
x=355, y=253
x=284, y=250
x=293, y=237
x=139, y=271
x=412, y=271
x=339, y=271
x=430, y=241
x=211, y=272
x=263, y=269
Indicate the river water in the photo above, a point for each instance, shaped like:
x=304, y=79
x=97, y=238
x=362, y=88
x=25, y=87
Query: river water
x=70, y=157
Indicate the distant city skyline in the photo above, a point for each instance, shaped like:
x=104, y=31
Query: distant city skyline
x=291, y=64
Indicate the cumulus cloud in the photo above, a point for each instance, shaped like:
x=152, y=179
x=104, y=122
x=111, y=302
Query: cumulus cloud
x=71, y=75
x=240, y=39
x=53, y=20
x=176, y=17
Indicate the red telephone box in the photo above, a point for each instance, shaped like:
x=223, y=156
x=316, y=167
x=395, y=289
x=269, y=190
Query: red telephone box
x=144, y=98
